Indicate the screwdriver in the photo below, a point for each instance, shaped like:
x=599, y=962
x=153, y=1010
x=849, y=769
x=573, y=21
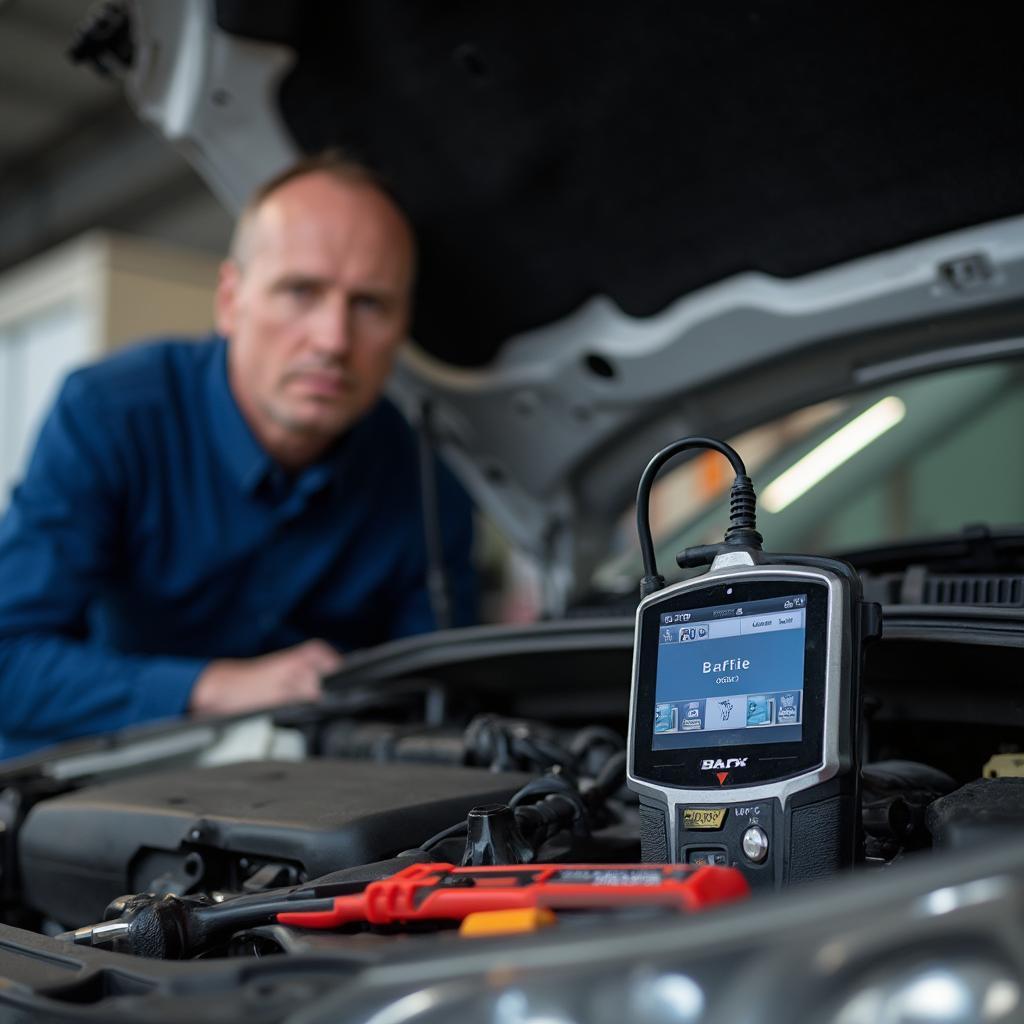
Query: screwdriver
x=430, y=892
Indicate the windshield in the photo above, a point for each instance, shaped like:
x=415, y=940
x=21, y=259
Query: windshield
x=922, y=457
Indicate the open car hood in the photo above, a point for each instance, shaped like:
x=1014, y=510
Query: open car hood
x=634, y=224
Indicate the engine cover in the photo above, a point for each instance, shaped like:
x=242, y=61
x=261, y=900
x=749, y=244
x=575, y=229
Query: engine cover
x=173, y=831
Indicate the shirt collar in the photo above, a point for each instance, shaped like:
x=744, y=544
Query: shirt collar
x=246, y=459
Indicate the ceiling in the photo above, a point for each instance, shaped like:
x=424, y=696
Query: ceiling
x=73, y=156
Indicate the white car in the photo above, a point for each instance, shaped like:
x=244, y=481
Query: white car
x=799, y=228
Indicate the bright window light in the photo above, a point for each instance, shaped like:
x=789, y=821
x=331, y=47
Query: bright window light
x=832, y=453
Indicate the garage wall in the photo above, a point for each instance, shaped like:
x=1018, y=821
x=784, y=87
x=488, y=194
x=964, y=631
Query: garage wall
x=70, y=306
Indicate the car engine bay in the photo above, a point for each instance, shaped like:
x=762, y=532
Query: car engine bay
x=490, y=747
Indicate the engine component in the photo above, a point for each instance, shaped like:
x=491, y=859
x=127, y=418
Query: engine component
x=543, y=809
x=488, y=741
x=983, y=811
x=492, y=837
x=214, y=828
x=895, y=796
x=1004, y=766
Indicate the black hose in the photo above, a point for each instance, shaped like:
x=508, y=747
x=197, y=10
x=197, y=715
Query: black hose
x=438, y=582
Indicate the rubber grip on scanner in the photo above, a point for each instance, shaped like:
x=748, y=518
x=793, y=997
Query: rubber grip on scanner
x=816, y=841
x=653, y=836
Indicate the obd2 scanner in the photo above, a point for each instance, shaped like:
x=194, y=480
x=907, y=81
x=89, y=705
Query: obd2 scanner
x=745, y=704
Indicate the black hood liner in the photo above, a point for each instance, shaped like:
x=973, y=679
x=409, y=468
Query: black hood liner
x=548, y=152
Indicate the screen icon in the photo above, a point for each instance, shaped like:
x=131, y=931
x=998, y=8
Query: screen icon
x=788, y=705
x=692, y=716
x=723, y=713
x=665, y=717
x=759, y=710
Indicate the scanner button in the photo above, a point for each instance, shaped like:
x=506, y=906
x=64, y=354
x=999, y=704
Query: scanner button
x=755, y=844
x=707, y=858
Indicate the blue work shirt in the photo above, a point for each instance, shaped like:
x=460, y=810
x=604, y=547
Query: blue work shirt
x=153, y=533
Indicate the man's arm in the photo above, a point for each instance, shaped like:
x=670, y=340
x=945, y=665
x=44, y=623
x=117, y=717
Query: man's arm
x=239, y=684
x=59, y=545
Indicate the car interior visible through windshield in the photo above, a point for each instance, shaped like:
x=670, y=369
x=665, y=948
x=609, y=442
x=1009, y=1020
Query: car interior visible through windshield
x=859, y=471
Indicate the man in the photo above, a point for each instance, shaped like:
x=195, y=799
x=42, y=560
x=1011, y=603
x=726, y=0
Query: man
x=205, y=526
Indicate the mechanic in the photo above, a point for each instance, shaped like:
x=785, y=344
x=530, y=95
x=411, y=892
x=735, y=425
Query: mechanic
x=205, y=525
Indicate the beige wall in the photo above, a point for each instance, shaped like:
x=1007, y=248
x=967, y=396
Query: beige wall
x=67, y=307
x=150, y=289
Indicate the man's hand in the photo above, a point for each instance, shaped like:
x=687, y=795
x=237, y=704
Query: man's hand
x=244, y=684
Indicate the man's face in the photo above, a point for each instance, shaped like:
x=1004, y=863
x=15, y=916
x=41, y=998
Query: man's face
x=315, y=307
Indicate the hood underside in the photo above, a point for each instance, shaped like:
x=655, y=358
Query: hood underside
x=550, y=153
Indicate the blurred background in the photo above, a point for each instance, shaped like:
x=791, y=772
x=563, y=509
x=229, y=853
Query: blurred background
x=108, y=236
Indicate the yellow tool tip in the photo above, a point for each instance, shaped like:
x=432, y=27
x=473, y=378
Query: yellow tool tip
x=506, y=922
